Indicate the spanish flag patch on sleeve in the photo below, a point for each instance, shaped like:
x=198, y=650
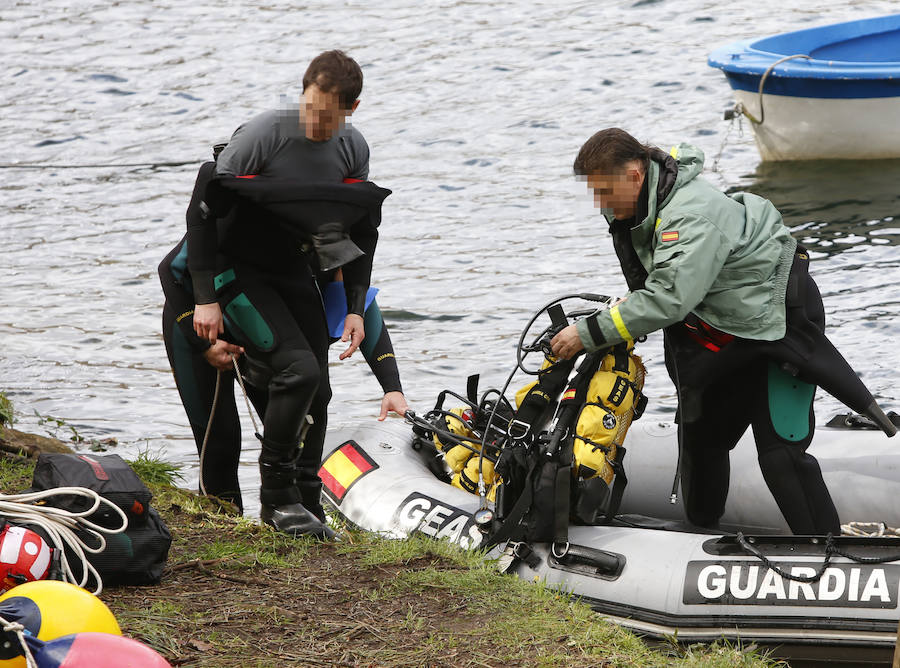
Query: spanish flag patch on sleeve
x=669, y=236
x=343, y=468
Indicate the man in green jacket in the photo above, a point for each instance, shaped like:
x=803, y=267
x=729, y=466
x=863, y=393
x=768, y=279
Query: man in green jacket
x=727, y=283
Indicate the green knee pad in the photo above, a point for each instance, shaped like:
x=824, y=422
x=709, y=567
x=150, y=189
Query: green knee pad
x=789, y=402
x=242, y=315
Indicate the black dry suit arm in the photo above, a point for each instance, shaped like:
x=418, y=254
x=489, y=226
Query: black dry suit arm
x=208, y=205
x=338, y=221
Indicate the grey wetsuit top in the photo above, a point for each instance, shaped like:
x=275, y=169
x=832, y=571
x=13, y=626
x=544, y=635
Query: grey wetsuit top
x=274, y=144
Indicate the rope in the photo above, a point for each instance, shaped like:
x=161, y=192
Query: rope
x=866, y=560
x=60, y=525
x=99, y=166
x=212, y=413
x=741, y=109
x=240, y=378
x=19, y=630
x=733, y=115
x=829, y=550
x=869, y=529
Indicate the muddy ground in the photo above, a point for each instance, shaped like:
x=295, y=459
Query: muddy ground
x=235, y=593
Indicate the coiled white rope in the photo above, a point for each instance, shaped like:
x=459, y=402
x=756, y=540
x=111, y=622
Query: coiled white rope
x=60, y=525
x=869, y=529
x=19, y=630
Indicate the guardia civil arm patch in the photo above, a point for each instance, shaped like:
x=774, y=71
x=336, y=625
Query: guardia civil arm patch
x=669, y=236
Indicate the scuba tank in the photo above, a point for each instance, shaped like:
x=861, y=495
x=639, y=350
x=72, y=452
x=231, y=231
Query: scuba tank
x=557, y=457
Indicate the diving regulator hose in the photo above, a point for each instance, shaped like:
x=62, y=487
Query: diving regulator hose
x=484, y=515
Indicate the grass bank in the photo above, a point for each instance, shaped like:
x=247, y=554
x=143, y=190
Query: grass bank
x=235, y=593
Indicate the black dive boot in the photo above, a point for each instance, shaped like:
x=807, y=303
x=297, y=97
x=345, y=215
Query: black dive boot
x=308, y=463
x=311, y=492
x=280, y=500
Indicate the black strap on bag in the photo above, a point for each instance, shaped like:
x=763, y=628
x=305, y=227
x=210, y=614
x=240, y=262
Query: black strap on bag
x=136, y=556
x=108, y=475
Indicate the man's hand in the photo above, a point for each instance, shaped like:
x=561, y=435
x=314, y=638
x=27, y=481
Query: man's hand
x=566, y=344
x=220, y=354
x=393, y=401
x=353, y=332
x=208, y=321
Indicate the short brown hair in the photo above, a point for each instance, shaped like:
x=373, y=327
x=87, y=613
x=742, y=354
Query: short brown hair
x=335, y=72
x=608, y=151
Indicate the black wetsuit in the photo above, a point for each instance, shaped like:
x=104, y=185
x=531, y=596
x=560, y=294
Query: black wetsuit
x=254, y=245
x=726, y=384
x=717, y=410
x=195, y=379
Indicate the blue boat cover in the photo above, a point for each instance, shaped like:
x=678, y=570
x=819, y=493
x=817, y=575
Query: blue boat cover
x=855, y=59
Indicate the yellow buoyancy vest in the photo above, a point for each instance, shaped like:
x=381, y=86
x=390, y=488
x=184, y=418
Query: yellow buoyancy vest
x=463, y=460
x=607, y=413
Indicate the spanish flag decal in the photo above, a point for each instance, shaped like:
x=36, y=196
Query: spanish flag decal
x=343, y=468
x=669, y=236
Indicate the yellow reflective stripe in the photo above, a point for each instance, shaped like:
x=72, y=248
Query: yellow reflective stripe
x=658, y=221
x=620, y=324
x=674, y=152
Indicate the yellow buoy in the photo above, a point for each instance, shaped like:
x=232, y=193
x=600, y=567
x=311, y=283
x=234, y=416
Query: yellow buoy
x=49, y=609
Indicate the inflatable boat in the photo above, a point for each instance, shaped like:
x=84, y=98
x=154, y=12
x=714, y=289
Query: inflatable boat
x=648, y=570
x=610, y=530
x=830, y=92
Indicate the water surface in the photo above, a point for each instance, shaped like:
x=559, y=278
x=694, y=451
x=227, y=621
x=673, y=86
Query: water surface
x=474, y=112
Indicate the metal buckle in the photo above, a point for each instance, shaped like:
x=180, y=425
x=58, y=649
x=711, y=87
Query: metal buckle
x=564, y=552
x=518, y=424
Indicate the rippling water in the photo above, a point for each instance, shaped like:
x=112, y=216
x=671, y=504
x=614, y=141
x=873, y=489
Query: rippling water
x=474, y=112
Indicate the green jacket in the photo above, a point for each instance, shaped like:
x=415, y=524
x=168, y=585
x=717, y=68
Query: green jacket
x=726, y=259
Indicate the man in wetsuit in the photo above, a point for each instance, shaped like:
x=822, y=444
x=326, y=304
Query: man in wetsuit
x=256, y=239
x=200, y=366
x=743, y=323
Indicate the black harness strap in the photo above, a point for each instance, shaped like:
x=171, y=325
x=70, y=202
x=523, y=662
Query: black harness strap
x=550, y=469
x=619, y=484
x=472, y=388
x=511, y=528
